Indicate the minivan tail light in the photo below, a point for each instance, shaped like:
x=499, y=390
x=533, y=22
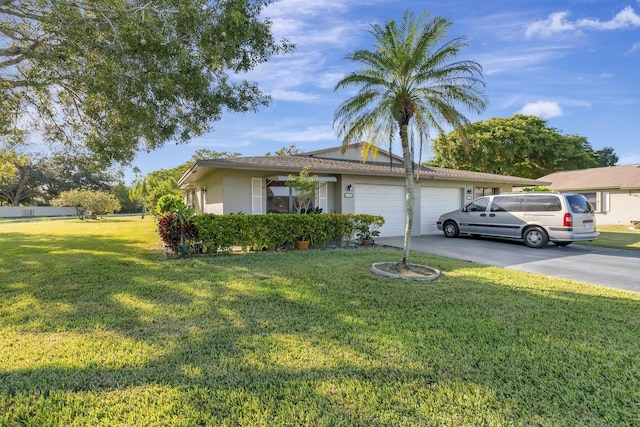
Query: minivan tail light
x=568, y=220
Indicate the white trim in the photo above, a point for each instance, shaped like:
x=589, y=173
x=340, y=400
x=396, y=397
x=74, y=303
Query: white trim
x=256, y=196
x=317, y=178
x=605, y=201
x=322, y=197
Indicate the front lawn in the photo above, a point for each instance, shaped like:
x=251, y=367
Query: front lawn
x=616, y=236
x=98, y=328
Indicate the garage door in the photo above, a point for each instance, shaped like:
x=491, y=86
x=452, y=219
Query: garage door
x=385, y=200
x=434, y=201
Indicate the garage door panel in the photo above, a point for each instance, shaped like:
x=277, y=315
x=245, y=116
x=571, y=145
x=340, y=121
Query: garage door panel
x=385, y=200
x=434, y=201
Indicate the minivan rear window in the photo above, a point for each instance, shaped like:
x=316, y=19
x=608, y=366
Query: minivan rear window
x=579, y=204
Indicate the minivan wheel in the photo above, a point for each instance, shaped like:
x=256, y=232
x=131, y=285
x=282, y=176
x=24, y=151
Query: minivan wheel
x=535, y=237
x=450, y=229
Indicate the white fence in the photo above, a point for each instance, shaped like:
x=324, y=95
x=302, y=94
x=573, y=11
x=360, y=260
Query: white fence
x=31, y=211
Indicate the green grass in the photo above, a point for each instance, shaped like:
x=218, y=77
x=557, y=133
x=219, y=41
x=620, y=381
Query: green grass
x=616, y=236
x=97, y=328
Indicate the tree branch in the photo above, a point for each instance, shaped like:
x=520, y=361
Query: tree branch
x=14, y=61
x=14, y=50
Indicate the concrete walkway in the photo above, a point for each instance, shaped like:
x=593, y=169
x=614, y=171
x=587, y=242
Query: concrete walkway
x=614, y=268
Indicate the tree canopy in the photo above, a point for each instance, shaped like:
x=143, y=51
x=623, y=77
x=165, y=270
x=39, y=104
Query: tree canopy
x=94, y=202
x=37, y=178
x=410, y=85
x=148, y=189
x=111, y=77
x=520, y=146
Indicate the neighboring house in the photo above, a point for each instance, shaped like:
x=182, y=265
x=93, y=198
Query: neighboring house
x=257, y=185
x=614, y=191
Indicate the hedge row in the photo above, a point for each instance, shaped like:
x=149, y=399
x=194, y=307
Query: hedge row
x=276, y=231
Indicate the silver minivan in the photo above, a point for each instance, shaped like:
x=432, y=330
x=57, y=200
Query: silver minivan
x=536, y=218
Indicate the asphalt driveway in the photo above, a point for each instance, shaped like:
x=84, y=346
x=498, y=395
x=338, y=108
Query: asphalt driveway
x=614, y=268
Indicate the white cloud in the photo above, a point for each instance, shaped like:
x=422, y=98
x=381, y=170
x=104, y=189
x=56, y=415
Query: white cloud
x=293, y=95
x=281, y=8
x=626, y=18
x=323, y=31
x=507, y=61
x=555, y=23
x=542, y=109
x=309, y=134
x=558, y=22
x=634, y=48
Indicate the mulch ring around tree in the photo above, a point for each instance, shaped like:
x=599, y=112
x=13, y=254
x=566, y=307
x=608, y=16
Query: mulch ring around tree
x=396, y=270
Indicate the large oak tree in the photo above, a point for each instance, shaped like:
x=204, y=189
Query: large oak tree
x=520, y=146
x=112, y=77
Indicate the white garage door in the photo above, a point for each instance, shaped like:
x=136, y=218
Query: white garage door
x=434, y=201
x=385, y=200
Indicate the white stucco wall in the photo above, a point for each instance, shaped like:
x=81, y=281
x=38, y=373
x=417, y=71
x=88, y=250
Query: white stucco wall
x=624, y=207
x=237, y=192
x=34, y=211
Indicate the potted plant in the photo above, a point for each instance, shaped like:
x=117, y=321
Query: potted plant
x=366, y=235
x=305, y=186
x=366, y=228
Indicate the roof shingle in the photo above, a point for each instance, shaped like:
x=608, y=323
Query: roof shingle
x=612, y=177
x=319, y=165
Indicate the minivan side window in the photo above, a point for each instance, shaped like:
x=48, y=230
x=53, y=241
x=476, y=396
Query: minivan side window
x=542, y=204
x=478, y=205
x=506, y=204
x=579, y=204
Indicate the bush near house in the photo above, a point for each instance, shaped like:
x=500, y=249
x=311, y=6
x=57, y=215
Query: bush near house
x=265, y=232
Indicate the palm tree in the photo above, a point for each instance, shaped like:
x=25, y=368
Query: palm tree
x=409, y=84
x=139, y=189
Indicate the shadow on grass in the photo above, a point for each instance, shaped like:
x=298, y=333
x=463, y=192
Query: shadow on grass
x=313, y=338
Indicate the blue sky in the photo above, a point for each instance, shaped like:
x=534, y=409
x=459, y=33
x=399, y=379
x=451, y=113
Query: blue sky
x=575, y=63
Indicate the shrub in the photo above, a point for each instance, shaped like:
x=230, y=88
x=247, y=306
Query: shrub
x=177, y=231
x=169, y=203
x=94, y=202
x=274, y=231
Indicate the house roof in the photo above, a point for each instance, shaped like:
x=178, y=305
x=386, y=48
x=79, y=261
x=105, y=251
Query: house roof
x=326, y=152
x=319, y=166
x=605, y=178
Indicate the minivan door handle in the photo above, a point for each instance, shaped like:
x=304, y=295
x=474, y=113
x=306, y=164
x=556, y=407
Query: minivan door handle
x=483, y=214
x=492, y=215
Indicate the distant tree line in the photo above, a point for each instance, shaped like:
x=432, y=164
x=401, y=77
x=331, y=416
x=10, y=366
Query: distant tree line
x=38, y=179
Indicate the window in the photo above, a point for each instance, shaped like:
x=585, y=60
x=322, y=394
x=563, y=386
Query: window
x=579, y=204
x=478, y=205
x=485, y=191
x=600, y=201
x=592, y=198
x=280, y=197
x=507, y=204
x=542, y=204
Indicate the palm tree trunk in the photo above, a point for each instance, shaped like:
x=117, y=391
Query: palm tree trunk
x=408, y=171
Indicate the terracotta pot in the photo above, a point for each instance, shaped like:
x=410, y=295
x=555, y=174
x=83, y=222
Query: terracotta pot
x=302, y=244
